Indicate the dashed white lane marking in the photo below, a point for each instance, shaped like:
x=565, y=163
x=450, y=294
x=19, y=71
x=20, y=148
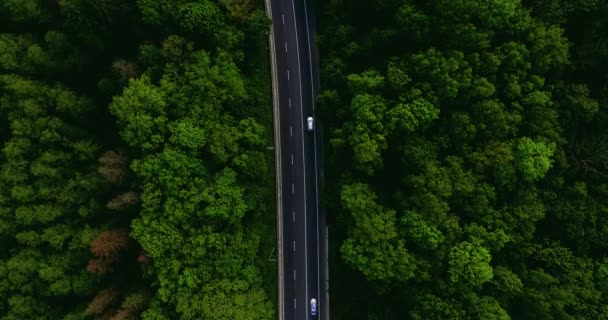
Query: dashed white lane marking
x=294, y=303
x=294, y=248
x=293, y=188
x=294, y=274
x=289, y=103
x=292, y=159
x=291, y=131
x=285, y=46
x=283, y=18
x=293, y=7
x=293, y=214
x=287, y=74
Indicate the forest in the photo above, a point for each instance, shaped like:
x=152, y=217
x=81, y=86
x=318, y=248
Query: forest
x=135, y=176
x=466, y=158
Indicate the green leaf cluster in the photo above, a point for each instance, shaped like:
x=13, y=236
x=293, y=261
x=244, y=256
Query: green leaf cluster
x=466, y=158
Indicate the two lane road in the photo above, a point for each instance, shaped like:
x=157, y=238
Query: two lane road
x=300, y=272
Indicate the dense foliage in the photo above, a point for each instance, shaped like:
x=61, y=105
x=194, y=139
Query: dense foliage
x=466, y=158
x=135, y=175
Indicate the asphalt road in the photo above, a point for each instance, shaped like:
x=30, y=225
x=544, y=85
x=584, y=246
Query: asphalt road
x=302, y=224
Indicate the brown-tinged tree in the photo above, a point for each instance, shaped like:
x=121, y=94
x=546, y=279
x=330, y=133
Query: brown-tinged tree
x=123, y=201
x=110, y=243
x=113, y=166
x=103, y=300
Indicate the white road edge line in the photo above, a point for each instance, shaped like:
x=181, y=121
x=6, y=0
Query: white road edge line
x=293, y=7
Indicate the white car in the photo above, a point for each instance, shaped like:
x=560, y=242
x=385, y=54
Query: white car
x=313, y=307
x=310, y=122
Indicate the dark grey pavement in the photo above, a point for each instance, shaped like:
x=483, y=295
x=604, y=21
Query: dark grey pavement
x=302, y=223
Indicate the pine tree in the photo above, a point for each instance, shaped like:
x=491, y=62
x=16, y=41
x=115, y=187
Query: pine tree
x=110, y=243
x=100, y=266
x=131, y=306
x=125, y=70
x=104, y=299
x=113, y=166
x=123, y=201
